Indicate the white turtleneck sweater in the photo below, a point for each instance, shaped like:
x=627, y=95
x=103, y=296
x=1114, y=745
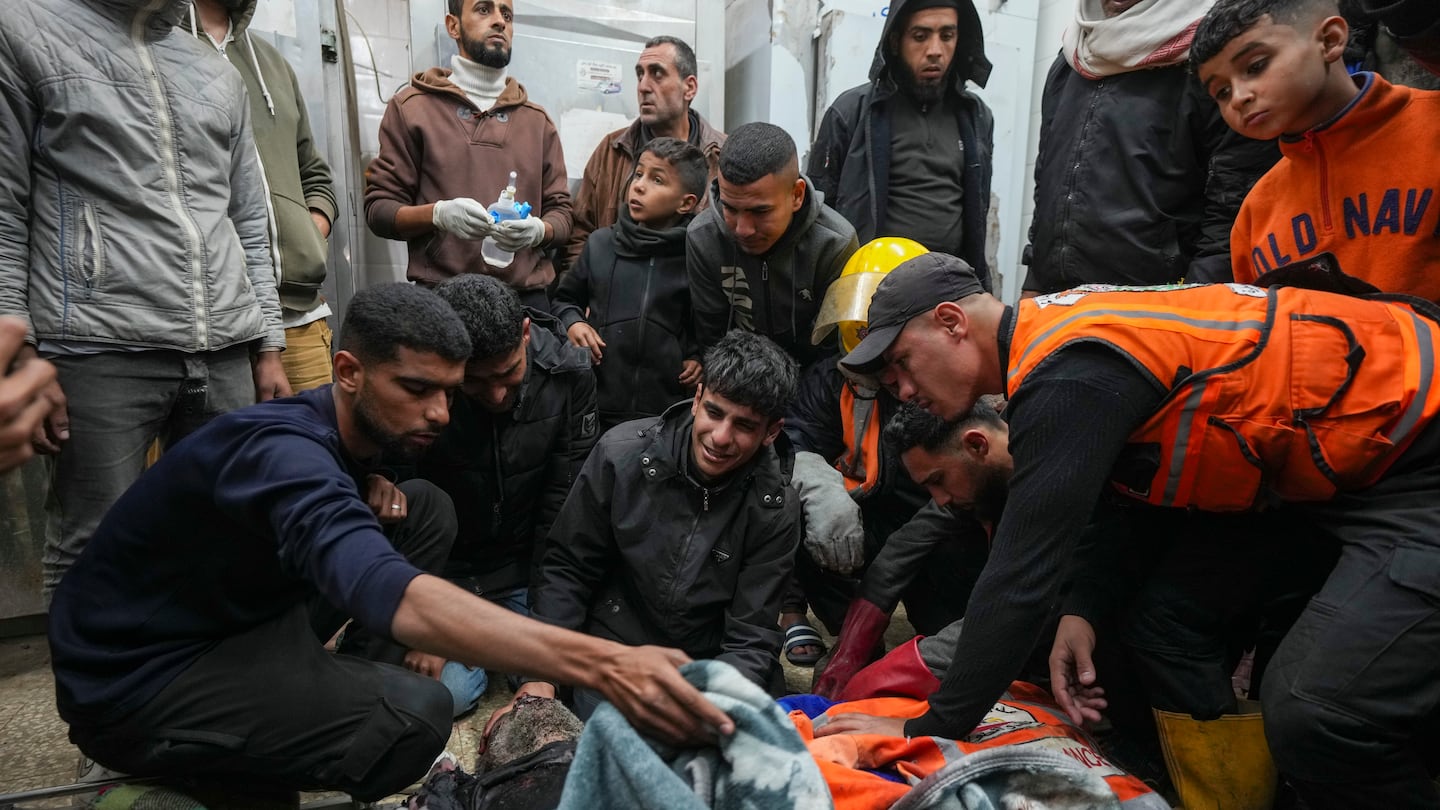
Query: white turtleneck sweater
x=480, y=83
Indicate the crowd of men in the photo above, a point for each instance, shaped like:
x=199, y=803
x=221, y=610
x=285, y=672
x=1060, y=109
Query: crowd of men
x=691, y=406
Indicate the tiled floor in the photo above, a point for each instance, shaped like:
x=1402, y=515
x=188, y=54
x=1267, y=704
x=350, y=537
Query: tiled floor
x=33, y=748
x=35, y=752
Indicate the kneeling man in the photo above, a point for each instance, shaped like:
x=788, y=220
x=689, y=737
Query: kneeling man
x=682, y=529
x=187, y=639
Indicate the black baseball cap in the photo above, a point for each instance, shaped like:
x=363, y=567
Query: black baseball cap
x=913, y=288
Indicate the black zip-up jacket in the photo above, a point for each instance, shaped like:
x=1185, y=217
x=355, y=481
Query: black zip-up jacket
x=776, y=295
x=850, y=159
x=1138, y=181
x=508, y=474
x=633, y=280
x=643, y=554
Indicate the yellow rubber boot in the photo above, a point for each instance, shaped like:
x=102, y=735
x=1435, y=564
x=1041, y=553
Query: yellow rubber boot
x=1221, y=764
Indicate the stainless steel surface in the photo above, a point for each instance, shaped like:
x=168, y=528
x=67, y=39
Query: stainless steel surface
x=297, y=29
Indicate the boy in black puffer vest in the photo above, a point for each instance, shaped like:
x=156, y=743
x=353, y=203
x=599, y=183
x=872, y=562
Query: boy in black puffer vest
x=632, y=278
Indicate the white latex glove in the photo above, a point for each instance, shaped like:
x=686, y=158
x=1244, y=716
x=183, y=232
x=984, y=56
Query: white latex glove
x=464, y=217
x=516, y=235
x=834, y=533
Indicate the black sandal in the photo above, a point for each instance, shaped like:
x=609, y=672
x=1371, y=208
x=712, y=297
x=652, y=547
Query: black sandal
x=799, y=635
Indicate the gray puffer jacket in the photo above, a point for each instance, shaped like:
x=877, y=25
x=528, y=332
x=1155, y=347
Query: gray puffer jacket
x=136, y=216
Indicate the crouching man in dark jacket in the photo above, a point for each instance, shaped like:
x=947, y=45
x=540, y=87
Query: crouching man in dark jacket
x=685, y=527
x=519, y=431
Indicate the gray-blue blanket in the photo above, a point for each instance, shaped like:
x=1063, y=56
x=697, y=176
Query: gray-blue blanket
x=763, y=766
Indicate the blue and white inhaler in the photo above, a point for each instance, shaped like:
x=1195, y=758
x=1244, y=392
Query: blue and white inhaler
x=501, y=210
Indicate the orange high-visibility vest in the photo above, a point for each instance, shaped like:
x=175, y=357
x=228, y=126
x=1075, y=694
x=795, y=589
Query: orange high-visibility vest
x=1282, y=393
x=860, y=420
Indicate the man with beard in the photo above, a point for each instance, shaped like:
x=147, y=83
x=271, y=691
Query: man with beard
x=860, y=506
x=521, y=428
x=187, y=639
x=302, y=200
x=448, y=144
x=909, y=153
x=665, y=85
x=964, y=466
x=1222, y=398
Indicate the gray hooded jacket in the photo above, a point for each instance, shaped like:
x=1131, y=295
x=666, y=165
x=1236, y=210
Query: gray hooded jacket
x=136, y=216
x=296, y=173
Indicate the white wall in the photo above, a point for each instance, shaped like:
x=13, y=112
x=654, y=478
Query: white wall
x=378, y=28
x=380, y=48
x=769, y=64
x=1010, y=44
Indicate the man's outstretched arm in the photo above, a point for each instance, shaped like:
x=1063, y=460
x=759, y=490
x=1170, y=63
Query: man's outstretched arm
x=644, y=683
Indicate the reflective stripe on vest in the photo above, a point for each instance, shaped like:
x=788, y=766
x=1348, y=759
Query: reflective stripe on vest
x=1284, y=394
x=860, y=421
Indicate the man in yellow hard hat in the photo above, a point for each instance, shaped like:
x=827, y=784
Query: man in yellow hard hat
x=858, y=501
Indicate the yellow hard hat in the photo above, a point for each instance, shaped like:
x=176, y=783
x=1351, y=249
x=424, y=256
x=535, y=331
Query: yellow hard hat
x=849, y=297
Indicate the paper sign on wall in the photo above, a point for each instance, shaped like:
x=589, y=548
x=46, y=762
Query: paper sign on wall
x=604, y=77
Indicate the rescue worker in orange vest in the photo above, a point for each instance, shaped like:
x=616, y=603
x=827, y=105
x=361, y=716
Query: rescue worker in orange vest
x=1173, y=614
x=846, y=477
x=1222, y=398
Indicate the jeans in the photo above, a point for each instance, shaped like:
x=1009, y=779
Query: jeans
x=467, y=684
x=307, y=356
x=119, y=404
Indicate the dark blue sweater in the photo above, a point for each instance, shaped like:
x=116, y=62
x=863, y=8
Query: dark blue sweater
x=235, y=525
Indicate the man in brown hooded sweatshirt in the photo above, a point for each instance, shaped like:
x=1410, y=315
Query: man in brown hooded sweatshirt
x=448, y=144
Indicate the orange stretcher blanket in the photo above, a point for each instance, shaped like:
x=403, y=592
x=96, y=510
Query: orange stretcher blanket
x=1025, y=715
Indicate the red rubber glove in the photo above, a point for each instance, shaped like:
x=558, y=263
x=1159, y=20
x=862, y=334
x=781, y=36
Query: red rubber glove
x=901, y=673
x=864, y=625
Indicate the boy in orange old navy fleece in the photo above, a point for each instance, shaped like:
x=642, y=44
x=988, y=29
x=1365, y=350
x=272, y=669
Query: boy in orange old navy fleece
x=1360, y=176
